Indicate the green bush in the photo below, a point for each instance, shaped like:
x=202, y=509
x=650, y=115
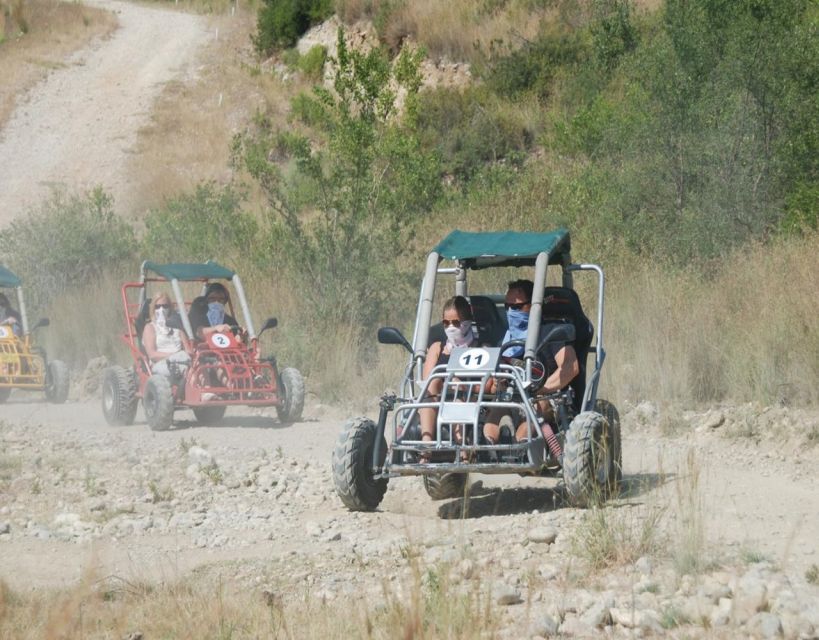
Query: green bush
x=68, y=241
x=470, y=128
x=342, y=208
x=280, y=23
x=311, y=63
x=208, y=223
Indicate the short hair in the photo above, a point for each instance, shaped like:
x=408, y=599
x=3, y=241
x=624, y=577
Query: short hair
x=4, y=300
x=461, y=305
x=217, y=286
x=526, y=286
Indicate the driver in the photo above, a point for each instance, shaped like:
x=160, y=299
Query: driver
x=561, y=360
x=208, y=313
x=9, y=316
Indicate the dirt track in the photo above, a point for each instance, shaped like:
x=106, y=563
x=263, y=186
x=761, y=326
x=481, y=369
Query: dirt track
x=67, y=460
x=78, y=126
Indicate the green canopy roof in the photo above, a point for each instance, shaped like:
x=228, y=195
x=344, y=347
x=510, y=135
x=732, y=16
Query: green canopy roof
x=478, y=250
x=8, y=279
x=188, y=271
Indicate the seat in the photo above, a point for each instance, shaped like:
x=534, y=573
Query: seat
x=561, y=304
x=491, y=326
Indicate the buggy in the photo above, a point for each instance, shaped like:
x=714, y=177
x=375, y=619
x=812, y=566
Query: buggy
x=583, y=446
x=226, y=368
x=22, y=364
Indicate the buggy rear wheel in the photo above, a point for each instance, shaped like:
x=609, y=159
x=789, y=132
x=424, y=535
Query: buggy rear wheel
x=612, y=416
x=57, y=382
x=588, y=460
x=119, y=399
x=292, y=392
x=209, y=415
x=352, y=466
x=4, y=394
x=449, y=485
x=157, y=402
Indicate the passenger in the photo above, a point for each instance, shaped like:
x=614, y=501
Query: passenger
x=9, y=316
x=458, y=325
x=208, y=313
x=561, y=361
x=167, y=348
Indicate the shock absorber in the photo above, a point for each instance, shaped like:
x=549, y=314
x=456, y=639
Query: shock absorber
x=551, y=440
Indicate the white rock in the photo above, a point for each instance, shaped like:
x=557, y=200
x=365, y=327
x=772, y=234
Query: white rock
x=750, y=597
x=199, y=456
x=597, y=615
x=543, y=535
x=643, y=565
x=507, y=595
x=5, y=527
x=765, y=625
x=545, y=626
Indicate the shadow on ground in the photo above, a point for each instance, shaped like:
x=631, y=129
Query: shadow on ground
x=498, y=501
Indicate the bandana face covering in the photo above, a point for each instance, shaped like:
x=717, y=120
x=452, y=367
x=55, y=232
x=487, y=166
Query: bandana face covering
x=518, y=325
x=459, y=336
x=216, y=313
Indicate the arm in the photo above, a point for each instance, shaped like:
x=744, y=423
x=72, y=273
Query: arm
x=186, y=343
x=149, y=342
x=432, y=357
x=567, y=370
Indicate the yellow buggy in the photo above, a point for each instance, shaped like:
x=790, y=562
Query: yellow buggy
x=23, y=365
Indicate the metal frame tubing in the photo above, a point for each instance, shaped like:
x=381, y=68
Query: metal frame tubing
x=240, y=290
x=21, y=304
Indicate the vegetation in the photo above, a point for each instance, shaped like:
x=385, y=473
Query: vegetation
x=678, y=145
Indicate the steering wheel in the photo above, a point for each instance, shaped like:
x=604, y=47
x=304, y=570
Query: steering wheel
x=510, y=344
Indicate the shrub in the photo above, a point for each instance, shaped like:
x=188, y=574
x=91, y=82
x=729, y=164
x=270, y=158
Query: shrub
x=69, y=241
x=312, y=62
x=281, y=22
x=207, y=223
x=470, y=128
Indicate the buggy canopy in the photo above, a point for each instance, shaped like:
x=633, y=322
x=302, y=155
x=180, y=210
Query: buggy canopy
x=188, y=271
x=478, y=250
x=8, y=279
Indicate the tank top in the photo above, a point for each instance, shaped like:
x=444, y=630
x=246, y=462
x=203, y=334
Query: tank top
x=168, y=342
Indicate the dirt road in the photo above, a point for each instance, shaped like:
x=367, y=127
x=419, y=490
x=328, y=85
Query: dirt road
x=67, y=460
x=77, y=127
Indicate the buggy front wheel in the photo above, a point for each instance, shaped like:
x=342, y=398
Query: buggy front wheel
x=353, y=476
x=291, y=391
x=157, y=402
x=119, y=399
x=588, y=460
x=57, y=382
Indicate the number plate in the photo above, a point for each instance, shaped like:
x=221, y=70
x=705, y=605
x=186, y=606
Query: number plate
x=473, y=359
x=220, y=340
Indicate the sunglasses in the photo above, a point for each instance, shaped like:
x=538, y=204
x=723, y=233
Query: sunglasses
x=163, y=306
x=454, y=323
x=517, y=306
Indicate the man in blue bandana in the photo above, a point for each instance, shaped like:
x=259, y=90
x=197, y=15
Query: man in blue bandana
x=560, y=359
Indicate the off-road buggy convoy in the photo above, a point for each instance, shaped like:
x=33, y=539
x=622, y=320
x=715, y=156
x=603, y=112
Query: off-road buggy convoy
x=226, y=368
x=23, y=365
x=584, y=443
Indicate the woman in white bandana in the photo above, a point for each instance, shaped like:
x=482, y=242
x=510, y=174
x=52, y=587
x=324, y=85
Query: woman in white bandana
x=163, y=344
x=460, y=332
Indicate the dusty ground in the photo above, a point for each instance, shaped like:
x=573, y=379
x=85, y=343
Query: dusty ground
x=253, y=500
x=78, y=126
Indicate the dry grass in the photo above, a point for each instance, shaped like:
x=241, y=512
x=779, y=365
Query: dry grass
x=452, y=29
x=427, y=605
x=37, y=37
x=742, y=330
x=194, y=120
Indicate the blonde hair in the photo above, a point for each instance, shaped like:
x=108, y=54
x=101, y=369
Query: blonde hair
x=161, y=295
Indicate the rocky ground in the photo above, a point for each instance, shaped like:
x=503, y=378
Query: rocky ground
x=715, y=533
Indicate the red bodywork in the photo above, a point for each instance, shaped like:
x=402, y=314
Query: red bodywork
x=248, y=380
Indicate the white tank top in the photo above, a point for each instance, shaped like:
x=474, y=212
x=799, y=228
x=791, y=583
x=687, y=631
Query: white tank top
x=168, y=342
